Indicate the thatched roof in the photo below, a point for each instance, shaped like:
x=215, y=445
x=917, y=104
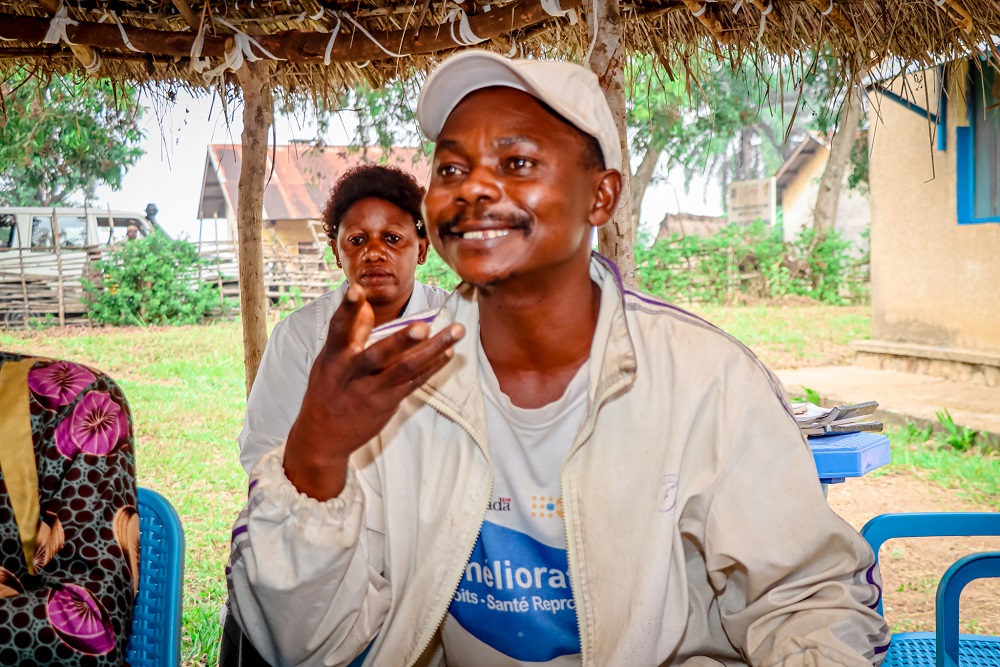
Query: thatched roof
x=321, y=46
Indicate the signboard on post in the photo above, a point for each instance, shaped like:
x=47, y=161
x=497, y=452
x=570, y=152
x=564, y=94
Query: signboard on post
x=753, y=200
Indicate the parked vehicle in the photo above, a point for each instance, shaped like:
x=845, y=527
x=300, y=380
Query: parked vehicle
x=44, y=252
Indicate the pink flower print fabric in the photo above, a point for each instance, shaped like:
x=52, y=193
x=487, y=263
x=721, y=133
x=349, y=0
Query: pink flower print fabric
x=58, y=383
x=80, y=620
x=75, y=609
x=96, y=426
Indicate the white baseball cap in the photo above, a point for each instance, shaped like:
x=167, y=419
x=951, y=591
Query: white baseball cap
x=569, y=89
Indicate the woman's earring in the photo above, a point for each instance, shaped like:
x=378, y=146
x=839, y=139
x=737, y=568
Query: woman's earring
x=338, y=264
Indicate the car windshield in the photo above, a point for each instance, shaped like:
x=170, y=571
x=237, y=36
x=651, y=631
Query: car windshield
x=72, y=231
x=111, y=234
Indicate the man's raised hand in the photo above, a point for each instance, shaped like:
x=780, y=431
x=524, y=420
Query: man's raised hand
x=354, y=391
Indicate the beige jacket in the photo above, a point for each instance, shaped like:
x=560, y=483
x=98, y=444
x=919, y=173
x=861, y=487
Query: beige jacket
x=696, y=527
x=293, y=346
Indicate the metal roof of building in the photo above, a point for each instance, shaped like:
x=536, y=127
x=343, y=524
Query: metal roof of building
x=300, y=177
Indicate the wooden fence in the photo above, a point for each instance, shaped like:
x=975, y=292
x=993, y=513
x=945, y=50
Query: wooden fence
x=43, y=284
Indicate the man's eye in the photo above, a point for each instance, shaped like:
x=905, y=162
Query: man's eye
x=446, y=170
x=518, y=163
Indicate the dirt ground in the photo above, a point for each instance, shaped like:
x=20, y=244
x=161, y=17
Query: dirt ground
x=912, y=568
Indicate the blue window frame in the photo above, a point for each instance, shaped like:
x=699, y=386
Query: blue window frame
x=978, y=148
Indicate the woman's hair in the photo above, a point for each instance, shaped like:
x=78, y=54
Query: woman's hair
x=373, y=180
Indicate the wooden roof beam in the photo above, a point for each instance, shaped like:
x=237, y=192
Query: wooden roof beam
x=189, y=14
x=291, y=45
x=84, y=54
x=699, y=8
x=830, y=9
x=958, y=13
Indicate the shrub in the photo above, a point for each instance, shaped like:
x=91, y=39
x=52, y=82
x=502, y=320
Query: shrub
x=746, y=263
x=149, y=281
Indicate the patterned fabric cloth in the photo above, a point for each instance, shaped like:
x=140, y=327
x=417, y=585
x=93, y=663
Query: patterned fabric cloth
x=73, y=604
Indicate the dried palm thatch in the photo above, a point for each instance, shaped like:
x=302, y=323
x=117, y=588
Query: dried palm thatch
x=319, y=47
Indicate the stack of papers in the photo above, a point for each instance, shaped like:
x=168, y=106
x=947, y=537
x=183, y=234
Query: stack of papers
x=814, y=420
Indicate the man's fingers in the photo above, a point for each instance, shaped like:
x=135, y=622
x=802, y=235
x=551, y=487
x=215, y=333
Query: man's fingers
x=382, y=353
x=408, y=346
x=351, y=324
x=433, y=353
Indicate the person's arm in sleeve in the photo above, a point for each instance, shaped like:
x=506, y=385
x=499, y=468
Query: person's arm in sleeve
x=797, y=585
x=305, y=577
x=306, y=572
x=78, y=604
x=276, y=396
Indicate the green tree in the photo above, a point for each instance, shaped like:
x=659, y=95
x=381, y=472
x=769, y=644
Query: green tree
x=729, y=120
x=62, y=137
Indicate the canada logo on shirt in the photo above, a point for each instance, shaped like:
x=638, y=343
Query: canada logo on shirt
x=501, y=504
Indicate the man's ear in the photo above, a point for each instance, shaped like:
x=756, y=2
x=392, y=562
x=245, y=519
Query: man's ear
x=609, y=191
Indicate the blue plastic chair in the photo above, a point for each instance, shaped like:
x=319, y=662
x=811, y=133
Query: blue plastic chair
x=944, y=647
x=156, y=621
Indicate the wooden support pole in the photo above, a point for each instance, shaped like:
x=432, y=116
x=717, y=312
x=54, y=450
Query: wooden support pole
x=24, y=281
x=291, y=45
x=60, y=290
x=86, y=55
x=616, y=239
x=258, y=115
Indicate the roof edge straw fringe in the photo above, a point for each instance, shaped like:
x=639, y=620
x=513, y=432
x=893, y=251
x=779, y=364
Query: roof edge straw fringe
x=293, y=45
x=187, y=43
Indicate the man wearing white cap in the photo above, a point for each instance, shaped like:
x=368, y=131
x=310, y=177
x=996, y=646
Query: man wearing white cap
x=554, y=469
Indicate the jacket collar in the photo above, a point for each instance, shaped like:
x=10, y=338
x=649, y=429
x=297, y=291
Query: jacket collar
x=612, y=352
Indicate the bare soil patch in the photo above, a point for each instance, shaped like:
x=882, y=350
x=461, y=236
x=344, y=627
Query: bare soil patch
x=912, y=568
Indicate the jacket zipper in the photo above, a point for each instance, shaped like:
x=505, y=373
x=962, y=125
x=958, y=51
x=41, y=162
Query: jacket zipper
x=574, y=577
x=439, y=614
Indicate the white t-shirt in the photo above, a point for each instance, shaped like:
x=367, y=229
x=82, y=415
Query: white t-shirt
x=515, y=605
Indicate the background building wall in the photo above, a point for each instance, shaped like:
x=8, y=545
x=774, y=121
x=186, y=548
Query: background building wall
x=799, y=200
x=934, y=282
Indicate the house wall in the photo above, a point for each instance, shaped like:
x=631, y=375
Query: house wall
x=934, y=282
x=291, y=232
x=799, y=199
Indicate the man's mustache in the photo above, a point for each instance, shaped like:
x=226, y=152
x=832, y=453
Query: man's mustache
x=498, y=218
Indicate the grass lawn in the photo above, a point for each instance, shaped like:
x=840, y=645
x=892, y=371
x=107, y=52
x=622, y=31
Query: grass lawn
x=791, y=336
x=976, y=472
x=185, y=386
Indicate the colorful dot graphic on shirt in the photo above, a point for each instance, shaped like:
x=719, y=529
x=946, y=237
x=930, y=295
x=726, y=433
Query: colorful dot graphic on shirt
x=546, y=507
x=516, y=598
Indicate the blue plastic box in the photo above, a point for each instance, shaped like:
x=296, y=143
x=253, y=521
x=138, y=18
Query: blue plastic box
x=842, y=455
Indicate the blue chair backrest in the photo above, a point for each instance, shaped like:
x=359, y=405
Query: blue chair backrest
x=945, y=646
x=156, y=622
x=928, y=524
